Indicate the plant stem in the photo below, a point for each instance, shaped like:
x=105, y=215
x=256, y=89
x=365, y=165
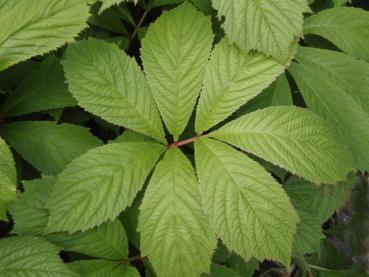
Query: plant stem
x=134, y=258
x=182, y=142
x=137, y=27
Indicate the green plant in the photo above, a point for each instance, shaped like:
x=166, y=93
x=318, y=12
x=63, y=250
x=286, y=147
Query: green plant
x=236, y=175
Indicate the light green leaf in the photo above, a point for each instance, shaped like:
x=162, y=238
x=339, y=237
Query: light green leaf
x=28, y=256
x=29, y=213
x=47, y=146
x=101, y=268
x=347, y=28
x=100, y=184
x=232, y=79
x=8, y=178
x=293, y=138
x=320, y=201
x=268, y=26
x=43, y=89
x=335, y=86
x=30, y=28
x=107, y=241
x=175, y=51
x=247, y=208
x=108, y=83
x=175, y=233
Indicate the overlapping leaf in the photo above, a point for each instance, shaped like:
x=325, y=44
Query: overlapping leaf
x=47, y=146
x=30, y=218
x=293, y=138
x=175, y=51
x=28, y=256
x=247, y=208
x=30, y=28
x=43, y=89
x=347, y=28
x=175, y=233
x=269, y=26
x=29, y=213
x=101, y=268
x=277, y=94
x=108, y=83
x=335, y=86
x=8, y=178
x=109, y=3
x=100, y=184
x=108, y=241
x=232, y=79
x=320, y=201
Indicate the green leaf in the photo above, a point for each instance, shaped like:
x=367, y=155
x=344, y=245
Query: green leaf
x=268, y=26
x=221, y=271
x=129, y=135
x=47, y=146
x=43, y=89
x=308, y=235
x=28, y=256
x=109, y=3
x=175, y=233
x=101, y=268
x=100, y=184
x=29, y=213
x=293, y=138
x=31, y=28
x=321, y=201
x=30, y=216
x=277, y=94
x=232, y=79
x=247, y=208
x=175, y=51
x=335, y=87
x=129, y=219
x=8, y=178
x=107, y=241
x=108, y=83
x=347, y=28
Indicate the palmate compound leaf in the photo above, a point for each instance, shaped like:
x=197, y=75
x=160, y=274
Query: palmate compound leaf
x=101, y=268
x=347, y=28
x=268, y=26
x=335, y=86
x=43, y=89
x=293, y=138
x=30, y=28
x=98, y=185
x=175, y=52
x=110, y=84
x=247, y=208
x=30, y=256
x=175, y=233
x=48, y=146
x=8, y=178
x=232, y=78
